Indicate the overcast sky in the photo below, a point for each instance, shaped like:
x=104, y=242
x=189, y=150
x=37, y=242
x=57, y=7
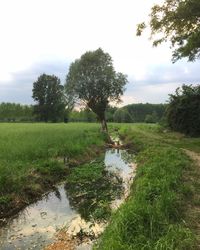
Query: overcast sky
x=45, y=36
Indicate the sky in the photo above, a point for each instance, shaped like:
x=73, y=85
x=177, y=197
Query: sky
x=45, y=36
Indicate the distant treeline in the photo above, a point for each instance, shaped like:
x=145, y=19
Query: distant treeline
x=12, y=112
x=151, y=113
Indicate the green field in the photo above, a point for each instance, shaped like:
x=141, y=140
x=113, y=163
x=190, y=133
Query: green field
x=32, y=157
x=163, y=209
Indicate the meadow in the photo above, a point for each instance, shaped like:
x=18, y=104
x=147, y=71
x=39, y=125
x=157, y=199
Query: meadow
x=163, y=208
x=32, y=157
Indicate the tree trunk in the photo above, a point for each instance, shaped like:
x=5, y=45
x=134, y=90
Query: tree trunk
x=104, y=125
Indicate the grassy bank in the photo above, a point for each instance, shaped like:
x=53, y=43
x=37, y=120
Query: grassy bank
x=32, y=158
x=162, y=202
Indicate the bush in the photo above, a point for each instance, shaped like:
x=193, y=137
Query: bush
x=122, y=115
x=153, y=118
x=183, y=111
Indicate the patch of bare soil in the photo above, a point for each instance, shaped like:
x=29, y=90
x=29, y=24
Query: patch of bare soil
x=63, y=242
x=194, y=156
x=192, y=181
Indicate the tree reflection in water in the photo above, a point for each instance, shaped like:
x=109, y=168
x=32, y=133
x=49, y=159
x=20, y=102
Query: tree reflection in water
x=91, y=188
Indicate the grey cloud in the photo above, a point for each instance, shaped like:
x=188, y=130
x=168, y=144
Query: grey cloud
x=150, y=93
x=159, y=81
x=162, y=80
x=180, y=72
x=19, y=89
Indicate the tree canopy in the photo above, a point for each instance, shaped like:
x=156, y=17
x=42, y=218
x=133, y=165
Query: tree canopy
x=179, y=22
x=183, y=111
x=48, y=93
x=93, y=80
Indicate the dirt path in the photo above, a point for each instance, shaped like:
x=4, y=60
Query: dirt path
x=194, y=156
x=192, y=180
x=63, y=242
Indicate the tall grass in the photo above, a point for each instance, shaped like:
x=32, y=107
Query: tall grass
x=31, y=154
x=143, y=135
x=153, y=216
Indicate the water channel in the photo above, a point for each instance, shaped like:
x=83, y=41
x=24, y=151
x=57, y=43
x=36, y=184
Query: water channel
x=36, y=225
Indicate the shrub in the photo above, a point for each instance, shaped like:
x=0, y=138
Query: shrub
x=183, y=111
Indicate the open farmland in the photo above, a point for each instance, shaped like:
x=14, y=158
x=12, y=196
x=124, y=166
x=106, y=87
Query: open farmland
x=163, y=207
x=32, y=157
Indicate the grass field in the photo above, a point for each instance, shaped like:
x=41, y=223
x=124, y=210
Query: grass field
x=32, y=157
x=163, y=209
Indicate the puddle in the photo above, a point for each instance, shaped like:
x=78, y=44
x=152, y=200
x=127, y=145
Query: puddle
x=35, y=227
x=120, y=162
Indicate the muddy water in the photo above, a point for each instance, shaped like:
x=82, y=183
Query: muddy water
x=35, y=226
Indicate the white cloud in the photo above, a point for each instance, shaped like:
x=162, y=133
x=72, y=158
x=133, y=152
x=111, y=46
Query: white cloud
x=150, y=93
x=38, y=31
x=32, y=30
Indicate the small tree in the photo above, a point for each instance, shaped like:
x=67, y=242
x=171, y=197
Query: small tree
x=93, y=80
x=48, y=93
x=151, y=118
x=122, y=115
x=183, y=111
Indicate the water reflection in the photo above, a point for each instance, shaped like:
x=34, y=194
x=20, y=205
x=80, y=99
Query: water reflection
x=117, y=160
x=35, y=226
x=91, y=197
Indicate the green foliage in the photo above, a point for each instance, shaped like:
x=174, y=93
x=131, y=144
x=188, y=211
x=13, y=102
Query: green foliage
x=138, y=112
x=130, y=113
x=183, y=111
x=93, y=80
x=12, y=112
x=83, y=115
x=179, y=22
x=143, y=135
x=122, y=115
x=48, y=93
x=91, y=188
x=33, y=154
x=152, y=118
x=152, y=217
x=110, y=113
x=4, y=202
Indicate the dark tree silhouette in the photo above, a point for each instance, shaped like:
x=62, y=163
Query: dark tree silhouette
x=49, y=95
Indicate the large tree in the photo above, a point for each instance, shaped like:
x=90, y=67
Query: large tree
x=93, y=80
x=49, y=95
x=179, y=22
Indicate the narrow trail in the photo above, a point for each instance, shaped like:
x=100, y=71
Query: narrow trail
x=193, y=209
x=194, y=156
